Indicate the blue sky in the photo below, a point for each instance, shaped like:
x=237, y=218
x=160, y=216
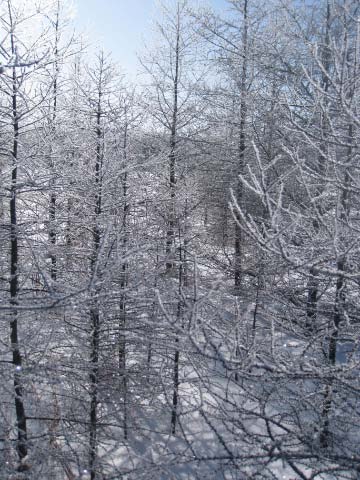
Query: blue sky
x=121, y=26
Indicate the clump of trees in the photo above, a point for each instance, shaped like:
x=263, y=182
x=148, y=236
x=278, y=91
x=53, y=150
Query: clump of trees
x=180, y=260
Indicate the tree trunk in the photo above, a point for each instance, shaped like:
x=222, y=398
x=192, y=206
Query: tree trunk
x=94, y=312
x=179, y=314
x=313, y=281
x=183, y=282
x=170, y=234
x=241, y=153
x=52, y=203
x=123, y=285
x=21, y=424
x=340, y=298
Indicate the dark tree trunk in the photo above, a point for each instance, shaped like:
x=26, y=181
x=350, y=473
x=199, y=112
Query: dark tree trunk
x=314, y=281
x=340, y=299
x=241, y=153
x=325, y=436
x=179, y=314
x=21, y=424
x=123, y=284
x=170, y=234
x=52, y=203
x=183, y=282
x=94, y=312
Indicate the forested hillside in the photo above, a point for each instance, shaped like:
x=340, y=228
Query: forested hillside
x=180, y=255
